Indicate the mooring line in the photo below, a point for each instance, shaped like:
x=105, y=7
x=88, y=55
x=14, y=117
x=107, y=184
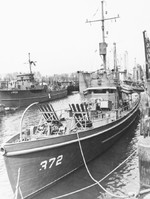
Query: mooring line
x=96, y=182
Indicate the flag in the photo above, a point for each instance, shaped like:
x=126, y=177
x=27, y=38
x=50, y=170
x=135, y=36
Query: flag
x=32, y=62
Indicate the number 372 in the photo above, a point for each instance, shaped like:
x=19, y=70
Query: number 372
x=48, y=164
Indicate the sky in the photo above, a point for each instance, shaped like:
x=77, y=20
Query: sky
x=54, y=32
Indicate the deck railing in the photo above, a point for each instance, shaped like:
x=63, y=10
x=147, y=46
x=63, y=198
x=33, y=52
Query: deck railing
x=69, y=122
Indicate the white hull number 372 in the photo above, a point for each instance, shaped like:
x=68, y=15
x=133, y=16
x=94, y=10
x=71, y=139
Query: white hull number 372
x=48, y=164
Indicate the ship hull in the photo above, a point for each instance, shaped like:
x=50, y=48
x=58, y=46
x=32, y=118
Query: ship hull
x=22, y=98
x=46, y=161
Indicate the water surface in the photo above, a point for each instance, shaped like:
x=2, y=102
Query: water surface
x=79, y=184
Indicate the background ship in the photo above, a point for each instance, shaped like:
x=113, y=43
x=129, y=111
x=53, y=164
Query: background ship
x=26, y=90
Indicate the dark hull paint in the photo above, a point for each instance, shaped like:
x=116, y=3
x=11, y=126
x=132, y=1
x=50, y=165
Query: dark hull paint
x=22, y=98
x=61, y=154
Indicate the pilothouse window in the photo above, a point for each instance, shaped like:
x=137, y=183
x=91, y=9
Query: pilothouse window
x=111, y=91
x=96, y=91
x=100, y=91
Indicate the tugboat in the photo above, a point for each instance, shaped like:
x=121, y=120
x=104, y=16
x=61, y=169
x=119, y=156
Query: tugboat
x=64, y=140
x=26, y=90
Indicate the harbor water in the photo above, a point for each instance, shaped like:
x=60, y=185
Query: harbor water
x=123, y=181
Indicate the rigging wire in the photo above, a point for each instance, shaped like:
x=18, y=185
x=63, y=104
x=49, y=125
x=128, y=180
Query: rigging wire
x=96, y=11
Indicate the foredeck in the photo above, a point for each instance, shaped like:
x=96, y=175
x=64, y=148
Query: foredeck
x=51, y=125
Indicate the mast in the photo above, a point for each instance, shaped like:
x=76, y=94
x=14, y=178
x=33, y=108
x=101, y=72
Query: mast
x=115, y=58
x=30, y=63
x=115, y=65
x=103, y=44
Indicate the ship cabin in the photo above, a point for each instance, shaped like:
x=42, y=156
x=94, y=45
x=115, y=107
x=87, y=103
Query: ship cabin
x=24, y=82
x=105, y=96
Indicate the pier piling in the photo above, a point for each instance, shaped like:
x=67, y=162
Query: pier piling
x=144, y=148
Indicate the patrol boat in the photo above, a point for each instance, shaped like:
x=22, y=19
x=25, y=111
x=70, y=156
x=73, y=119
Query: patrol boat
x=63, y=140
x=25, y=90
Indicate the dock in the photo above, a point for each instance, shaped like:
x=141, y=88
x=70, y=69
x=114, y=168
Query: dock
x=144, y=148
